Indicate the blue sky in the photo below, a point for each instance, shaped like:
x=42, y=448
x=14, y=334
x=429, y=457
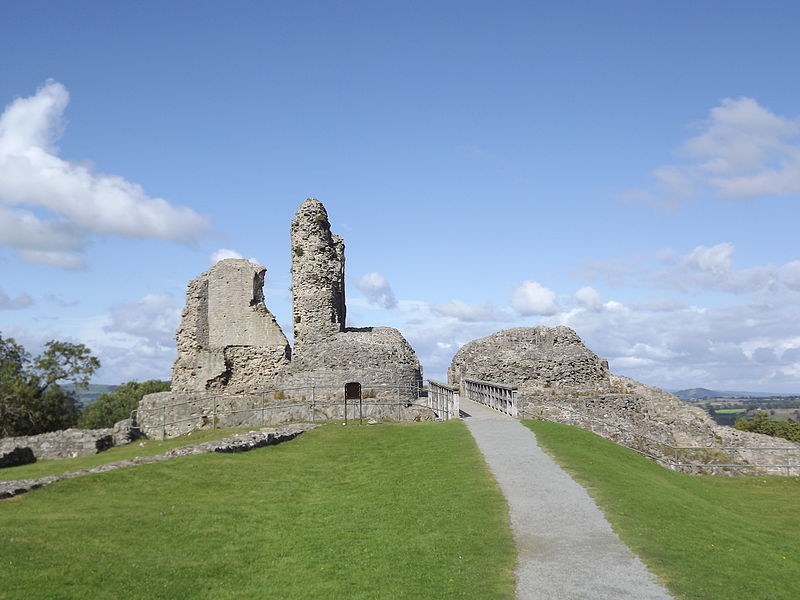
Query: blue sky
x=630, y=169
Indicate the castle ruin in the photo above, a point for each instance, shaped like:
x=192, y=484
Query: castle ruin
x=231, y=346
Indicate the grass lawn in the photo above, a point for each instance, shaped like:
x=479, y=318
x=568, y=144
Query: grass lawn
x=138, y=448
x=705, y=537
x=385, y=511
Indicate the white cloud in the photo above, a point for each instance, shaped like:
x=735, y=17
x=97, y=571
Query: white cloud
x=62, y=260
x=741, y=346
x=222, y=254
x=715, y=260
x=8, y=303
x=743, y=151
x=531, y=298
x=588, y=298
x=70, y=200
x=23, y=229
x=136, y=340
x=742, y=137
x=611, y=272
x=664, y=304
x=377, y=290
x=153, y=317
x=471, y=313
x=666, y=255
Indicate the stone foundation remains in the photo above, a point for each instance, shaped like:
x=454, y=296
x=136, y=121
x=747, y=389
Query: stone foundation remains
x=240, y=442
x=68, y=443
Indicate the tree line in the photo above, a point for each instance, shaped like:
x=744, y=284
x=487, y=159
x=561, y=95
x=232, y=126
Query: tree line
x=761, y=423
x=33, y=401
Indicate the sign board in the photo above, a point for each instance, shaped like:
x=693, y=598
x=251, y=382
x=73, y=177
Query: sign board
x=352, y=391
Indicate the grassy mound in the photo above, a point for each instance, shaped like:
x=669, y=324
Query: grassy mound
x=705, y=537
x=390, y=511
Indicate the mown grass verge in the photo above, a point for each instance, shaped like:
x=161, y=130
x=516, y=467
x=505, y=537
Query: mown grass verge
x=387, y=511
x=142, y=448
x=705, y=537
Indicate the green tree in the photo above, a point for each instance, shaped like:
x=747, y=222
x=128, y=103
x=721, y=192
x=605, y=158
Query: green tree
x=117, y=405
x=761, y=423
x=31, y=401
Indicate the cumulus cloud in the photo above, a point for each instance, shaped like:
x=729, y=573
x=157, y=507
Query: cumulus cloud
x=742, y=151
x=377, y=290
x=712, y=268
x=54, y=258
x=471, y=313
x=715, y=259
x=48, y=204
x=531, y=298
x=610, y=271
x=588, y=298
x=153, y=317
x=8, y=303
x=222, y=254
x=136, y=340
x=751, y=343
x=741, y=346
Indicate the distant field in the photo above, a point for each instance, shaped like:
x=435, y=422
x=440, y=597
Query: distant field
x=731, y=411
x=705, y=537
x=384, y=511
x=91, y=393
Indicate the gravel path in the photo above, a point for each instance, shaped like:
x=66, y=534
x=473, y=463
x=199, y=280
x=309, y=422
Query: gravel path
x=567, y=549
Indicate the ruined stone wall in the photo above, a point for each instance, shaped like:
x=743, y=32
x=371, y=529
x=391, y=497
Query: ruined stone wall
x=231, y=348
x=67, y=443
x=171, y=414
x=561, y=380
x=367, y=355
x=537, y=359
x=318, y=295
x=228, y=339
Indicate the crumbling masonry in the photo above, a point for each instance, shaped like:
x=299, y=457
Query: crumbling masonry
x=229, y=343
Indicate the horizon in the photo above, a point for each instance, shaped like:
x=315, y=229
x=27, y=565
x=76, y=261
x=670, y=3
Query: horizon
x=630, y=171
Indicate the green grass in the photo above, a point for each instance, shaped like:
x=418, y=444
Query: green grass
x=730, y=411
x=138, y=448
x=705, y=537
x=386, y=511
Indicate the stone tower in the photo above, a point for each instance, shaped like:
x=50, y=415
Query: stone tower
x=317, y=276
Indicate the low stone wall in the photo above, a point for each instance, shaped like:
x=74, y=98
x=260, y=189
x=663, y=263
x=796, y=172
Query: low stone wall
x=68, y=443
x=240, y=442
x=170, y=414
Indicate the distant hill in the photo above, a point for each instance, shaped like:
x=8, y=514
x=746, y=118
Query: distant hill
x=704, y=393
x=89, y=394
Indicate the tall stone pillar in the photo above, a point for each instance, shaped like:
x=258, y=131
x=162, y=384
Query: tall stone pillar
x=318, y=302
